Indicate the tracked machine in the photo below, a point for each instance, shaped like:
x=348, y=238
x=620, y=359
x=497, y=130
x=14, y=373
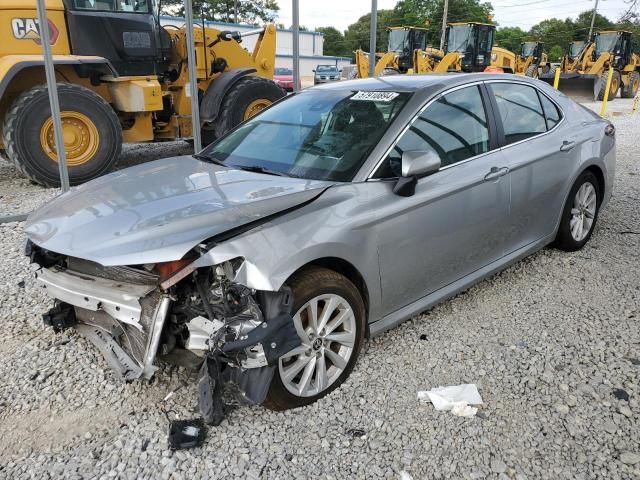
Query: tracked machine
x=122, y=77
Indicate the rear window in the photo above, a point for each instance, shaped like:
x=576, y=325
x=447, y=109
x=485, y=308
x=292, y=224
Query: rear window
x=520, y=110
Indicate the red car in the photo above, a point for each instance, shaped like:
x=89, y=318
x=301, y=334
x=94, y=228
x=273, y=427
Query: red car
x=284, y=78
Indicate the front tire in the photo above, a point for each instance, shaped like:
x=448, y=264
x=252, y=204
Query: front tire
x=92, y=133
x=580, y=213
x=613, y=88
x=330, y=320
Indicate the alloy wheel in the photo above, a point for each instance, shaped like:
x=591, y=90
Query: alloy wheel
x=326, y=324
x=583, y=211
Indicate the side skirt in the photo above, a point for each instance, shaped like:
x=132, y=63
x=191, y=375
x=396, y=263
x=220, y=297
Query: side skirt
x=429, y=301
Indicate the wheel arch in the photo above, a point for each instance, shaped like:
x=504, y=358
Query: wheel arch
x=599, y=174
x=216, y=91
x=11, y=67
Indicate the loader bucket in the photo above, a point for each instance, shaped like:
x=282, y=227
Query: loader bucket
x=581, y=88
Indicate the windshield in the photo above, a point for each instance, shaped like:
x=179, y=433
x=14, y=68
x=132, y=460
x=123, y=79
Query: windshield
x=397, y=40
x=575, y=49
x=459, y=37
x=606, y=42
x=528, y=49
x=320, y=135
x=326, y=69
x=283, y=71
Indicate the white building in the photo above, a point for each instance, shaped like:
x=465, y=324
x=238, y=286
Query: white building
x=311, y=44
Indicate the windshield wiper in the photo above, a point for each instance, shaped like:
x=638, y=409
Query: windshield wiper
x=207, y=158
x=266, y=171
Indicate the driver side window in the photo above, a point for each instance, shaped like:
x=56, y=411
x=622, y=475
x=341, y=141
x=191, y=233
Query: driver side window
x=136, y=6
x=454, y=126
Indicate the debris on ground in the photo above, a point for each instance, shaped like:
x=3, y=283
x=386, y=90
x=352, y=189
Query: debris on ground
x=457, y=399
x=185, y=434
x=621, y=394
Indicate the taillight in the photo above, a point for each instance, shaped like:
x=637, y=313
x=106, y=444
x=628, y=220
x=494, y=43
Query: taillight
x=610, y=130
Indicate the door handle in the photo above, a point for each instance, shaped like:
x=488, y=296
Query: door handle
x=567, y=145
x=496, y=172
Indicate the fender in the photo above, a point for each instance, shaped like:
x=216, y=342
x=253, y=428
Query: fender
x=11, y=65
x=212, y=99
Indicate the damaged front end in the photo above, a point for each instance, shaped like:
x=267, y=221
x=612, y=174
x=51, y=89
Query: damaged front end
x=199, y=318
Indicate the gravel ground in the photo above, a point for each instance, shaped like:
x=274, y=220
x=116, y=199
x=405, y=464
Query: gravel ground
x=549, y=342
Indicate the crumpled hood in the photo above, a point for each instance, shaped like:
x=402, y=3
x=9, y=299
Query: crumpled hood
x=158, y=211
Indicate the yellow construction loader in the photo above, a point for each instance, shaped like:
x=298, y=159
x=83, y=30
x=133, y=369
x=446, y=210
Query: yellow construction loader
x=467, y=49
x=584, y=70
x=529, y=62
x=122, y=77
x=399, y=57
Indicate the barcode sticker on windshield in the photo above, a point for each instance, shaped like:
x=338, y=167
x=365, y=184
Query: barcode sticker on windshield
x=375, y=96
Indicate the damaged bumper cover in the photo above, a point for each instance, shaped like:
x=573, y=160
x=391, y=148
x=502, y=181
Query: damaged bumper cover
x=123, y=320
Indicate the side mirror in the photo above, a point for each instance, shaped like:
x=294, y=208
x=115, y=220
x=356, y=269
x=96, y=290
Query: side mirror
x=415, y=164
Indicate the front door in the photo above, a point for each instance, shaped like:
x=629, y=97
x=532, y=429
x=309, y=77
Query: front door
x=453, y=223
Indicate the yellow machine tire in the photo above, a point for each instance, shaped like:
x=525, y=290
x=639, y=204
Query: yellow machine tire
x=630, y=89
x=93, y=136
x=248, y=95
x=532, y=71
x=602, y=85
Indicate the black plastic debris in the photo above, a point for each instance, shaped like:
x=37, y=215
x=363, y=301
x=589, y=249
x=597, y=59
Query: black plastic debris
x=21, y=284
x=423, y=337
x=145, y=445
x=185, y=434
x=356, y=432
x=60, y=317
x=210, y=392
x=621, y=394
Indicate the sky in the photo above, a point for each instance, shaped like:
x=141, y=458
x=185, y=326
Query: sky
x=512, y=13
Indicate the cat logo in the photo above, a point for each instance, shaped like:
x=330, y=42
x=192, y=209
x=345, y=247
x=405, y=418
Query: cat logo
x=29, y=29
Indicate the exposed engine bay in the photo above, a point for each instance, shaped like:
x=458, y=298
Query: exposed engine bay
x=231, y=334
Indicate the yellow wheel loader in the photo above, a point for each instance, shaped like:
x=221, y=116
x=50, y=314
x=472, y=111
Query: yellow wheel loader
x=122, y=77
x=585, y=69
x=528, y=63
x=467, y=49
x=399, y=57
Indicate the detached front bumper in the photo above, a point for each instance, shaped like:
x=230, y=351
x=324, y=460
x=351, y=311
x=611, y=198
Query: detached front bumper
x=123, y=320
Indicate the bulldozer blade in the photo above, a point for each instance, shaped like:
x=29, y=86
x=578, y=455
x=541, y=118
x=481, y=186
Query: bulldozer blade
x=581, y=88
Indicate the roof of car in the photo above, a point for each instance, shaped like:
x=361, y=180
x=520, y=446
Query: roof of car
x=413, y=83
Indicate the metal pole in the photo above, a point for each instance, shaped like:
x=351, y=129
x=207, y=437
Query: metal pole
x=444, y=23
x=193, y=77
x=295, y=13
x=373, y=30
x=235, y=11
x=593, y=19
x=52, y=87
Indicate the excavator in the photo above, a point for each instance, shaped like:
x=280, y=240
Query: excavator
x=122, y=77
x=585, y=68
x=467, y=49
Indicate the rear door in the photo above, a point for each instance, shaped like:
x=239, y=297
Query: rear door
x=540, y=155
x=454, y=223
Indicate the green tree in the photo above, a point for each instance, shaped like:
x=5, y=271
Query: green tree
x=583, y=22
x=357, y=34
x=555, y=53
x=334, y=43
x=248, y=11
x=511, y=38
x=553, y=32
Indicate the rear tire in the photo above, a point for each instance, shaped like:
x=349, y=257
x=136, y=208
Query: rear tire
x=308, y=285
x=90, y=124
x=247, y=97
x=631, y=88
x=569, y=238
x=532, y=71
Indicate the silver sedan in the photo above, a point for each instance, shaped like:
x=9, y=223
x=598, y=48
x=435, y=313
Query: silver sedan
x=266, y=260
